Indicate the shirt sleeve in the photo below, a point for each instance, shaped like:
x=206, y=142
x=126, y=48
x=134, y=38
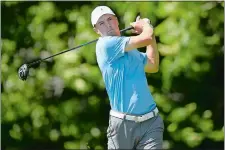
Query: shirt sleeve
x=144, y=58
x=113, y=47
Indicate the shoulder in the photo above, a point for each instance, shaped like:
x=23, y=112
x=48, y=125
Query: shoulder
x=110, y=41
x=103, y=41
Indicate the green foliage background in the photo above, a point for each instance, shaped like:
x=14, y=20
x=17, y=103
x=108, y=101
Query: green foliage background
x=64, y=105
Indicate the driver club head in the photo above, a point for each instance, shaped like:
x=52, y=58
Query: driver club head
x=23, y=72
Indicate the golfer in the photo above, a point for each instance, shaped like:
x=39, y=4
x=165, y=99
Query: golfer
x=134, y=122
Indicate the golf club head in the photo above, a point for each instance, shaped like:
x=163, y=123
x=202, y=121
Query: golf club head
x=23, y=72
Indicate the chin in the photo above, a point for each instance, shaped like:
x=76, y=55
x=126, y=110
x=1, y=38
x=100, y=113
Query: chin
x=112, y=34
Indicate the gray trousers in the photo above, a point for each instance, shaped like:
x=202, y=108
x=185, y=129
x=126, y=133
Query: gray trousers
x=125, y=134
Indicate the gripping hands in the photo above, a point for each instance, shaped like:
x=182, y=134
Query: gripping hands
x=139, y=24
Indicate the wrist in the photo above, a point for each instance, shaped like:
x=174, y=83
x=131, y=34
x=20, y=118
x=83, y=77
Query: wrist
x=148, y=24
x=147, y=29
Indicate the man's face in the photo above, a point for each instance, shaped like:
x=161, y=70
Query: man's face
x=107, y=25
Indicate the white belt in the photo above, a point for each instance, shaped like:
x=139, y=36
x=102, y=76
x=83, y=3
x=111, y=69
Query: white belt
x=140, y=118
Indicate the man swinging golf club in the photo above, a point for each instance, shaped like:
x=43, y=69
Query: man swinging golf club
x=134, y=122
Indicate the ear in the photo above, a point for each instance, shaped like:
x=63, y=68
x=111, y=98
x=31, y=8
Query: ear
x=117, y=20
x=96, y=30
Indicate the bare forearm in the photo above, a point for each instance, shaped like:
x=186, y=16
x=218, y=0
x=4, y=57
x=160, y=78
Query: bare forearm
x=153, y=54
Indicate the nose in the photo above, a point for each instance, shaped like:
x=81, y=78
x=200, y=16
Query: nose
x=108, y=25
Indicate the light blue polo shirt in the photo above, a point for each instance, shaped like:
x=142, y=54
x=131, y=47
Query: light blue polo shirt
x=124, y=76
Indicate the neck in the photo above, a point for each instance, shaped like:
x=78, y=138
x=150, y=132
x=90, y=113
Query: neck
x=112, y=34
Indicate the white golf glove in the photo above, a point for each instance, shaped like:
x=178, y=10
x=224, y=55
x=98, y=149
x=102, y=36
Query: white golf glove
x=147, y=20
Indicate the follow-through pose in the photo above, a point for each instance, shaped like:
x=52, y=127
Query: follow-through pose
x=134, y=120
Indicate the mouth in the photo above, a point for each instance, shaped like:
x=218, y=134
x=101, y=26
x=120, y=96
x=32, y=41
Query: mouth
x=110, y=30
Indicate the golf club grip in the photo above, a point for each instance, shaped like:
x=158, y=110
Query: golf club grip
x=38, y=61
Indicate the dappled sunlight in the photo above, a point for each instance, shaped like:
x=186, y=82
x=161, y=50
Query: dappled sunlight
x=63, y=104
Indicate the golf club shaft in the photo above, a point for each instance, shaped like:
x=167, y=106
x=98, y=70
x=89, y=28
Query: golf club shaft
x=40, y=60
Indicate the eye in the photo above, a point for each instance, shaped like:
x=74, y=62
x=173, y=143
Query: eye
x=101, y=23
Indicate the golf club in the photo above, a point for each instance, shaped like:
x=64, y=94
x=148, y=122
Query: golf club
x=24, y=69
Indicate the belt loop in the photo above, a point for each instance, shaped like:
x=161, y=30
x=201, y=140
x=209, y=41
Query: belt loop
x=124, y=116
x=155, y=112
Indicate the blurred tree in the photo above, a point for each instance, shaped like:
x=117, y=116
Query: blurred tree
x=64, y=105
